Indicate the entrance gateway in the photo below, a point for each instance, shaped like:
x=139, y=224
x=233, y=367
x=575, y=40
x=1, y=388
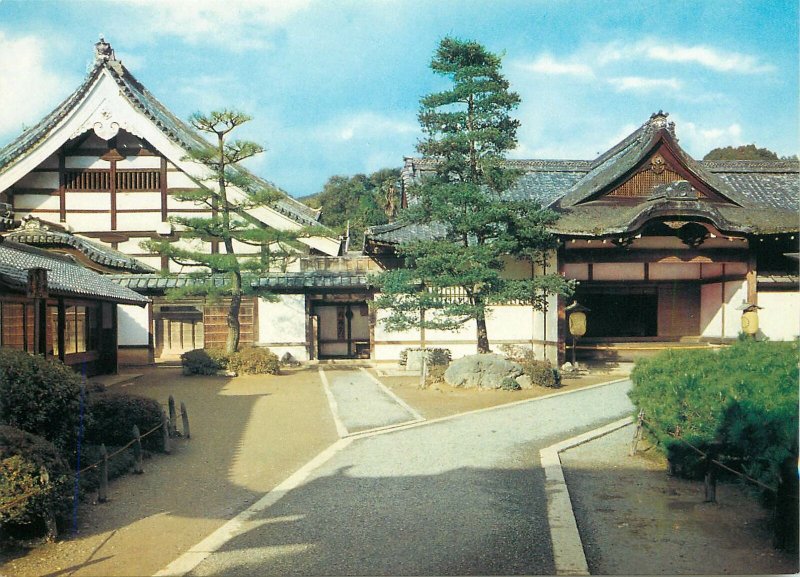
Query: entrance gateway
x=343, y=329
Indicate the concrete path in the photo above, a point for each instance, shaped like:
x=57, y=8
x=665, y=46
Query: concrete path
x=360, y=402
x=461, y=495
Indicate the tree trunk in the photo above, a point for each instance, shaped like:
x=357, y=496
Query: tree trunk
x=483, y=336
x=234, y=329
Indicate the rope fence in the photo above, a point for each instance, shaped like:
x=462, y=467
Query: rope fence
x=168, y=428
x=642, y=421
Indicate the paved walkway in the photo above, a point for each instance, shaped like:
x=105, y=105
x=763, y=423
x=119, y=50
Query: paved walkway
x=461, y=495
x=359, y=402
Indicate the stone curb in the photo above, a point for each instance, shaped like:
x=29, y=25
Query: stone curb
x=568, y=555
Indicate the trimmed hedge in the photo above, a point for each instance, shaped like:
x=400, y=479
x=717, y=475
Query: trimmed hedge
x=255, y=361
x=40, y=396
x=113, y=416
x=743, y=398
x=203, y=362
x=23, y=457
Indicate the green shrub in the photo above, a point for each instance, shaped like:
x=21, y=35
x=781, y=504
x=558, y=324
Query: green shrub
x=203, y=362
x=435, y=356
x=540, y=372
x=509, y=384
x=27, y=498
x=41, y=396
x=254, y=360
x=744, y=398
x=113, y=416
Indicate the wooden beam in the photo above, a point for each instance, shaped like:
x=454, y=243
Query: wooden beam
x=163, y=186
x=62, y=186
x=752, y=280
x=577, y=256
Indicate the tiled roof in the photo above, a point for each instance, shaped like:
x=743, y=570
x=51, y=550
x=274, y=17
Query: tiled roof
x=399, y=232
x=103, y=255
x=173, y=127
x=279, y=282
x=64, y=276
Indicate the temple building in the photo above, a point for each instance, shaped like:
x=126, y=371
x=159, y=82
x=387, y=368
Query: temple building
x=665, y=249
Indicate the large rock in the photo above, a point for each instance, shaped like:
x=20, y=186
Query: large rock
x=481, y=371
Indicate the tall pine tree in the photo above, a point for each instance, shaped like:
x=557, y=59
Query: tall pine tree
x=229, y=226
x=457, y=272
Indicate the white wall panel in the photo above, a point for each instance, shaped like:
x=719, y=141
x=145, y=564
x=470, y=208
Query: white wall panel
x=711, y=310
x=36, y=201
x=735, y=295
x=45, y=180
x=173, y=202
x=132, y=325
x=87, y=201
x=149, y=162
x=139, y=200
x=577, y=271
x=89, y=222
x=138, y=221
x=85, y=162
x=179, y=180
x=618, y=271
x=779, y=318
x=673, y=271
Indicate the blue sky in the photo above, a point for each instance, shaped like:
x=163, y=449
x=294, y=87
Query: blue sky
x=334, y=86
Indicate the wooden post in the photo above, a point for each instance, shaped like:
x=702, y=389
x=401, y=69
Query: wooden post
x=173, y=418
x=637, y=435
x=711, y=475
x=51, y=529
x=185, y=419
x=423, y=371
x=102, y=491
x=165, y=431
x=137, y=451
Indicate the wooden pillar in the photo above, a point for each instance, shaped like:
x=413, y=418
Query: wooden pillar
x=752, y=279
x=113, y=191
x=61, y=327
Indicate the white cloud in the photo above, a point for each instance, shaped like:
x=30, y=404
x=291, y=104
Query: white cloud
x=27, y=86
x=239, y=24
x=700, y=139
x=546, y=64
x=719, y=60
x=364, y=125
x=642, y=84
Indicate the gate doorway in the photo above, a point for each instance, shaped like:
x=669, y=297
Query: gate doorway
x=178, y=328
x=343, y=330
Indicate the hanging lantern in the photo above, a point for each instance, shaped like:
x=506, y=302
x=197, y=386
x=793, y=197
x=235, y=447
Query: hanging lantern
x=577, y=319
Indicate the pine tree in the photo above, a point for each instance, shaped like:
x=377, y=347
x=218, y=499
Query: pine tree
x=456, y=273
x=229, y=196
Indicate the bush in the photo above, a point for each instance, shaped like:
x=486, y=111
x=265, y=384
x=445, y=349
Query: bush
x=254, y=360
x=23, y=459
x=118, y=465
x=541, y=373
x=743, y=398
x=509, y=384
x=113, y=416
x=203, y=362
x=435, y=356
x=40, y=396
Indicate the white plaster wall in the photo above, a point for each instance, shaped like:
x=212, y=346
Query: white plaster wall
x=283, y=322
x=676, y=271
x=139, y=200
x=510, y=323
x=131, y=246
x=87, y=201
x=779, y=319
x=85, y=162
x=618, y=271
x=735, y=295
x=577, y=271
x=151, y=162
x=173, y=203
x=82, y=222
x=711, y=310
x=153, y=261
x=36, y=202
x=132, y=325
x=138, y=221
x=179, y=180
x=47, y=180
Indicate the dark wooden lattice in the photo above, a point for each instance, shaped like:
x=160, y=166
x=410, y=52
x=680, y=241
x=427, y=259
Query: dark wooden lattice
x=643, y=183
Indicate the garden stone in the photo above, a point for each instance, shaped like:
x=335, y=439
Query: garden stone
x=485, y=371
x=414, y=361
x=525, y=382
